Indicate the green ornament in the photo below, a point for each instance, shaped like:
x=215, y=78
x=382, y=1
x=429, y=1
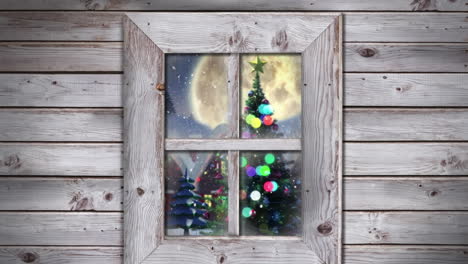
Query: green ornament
x=269, y=158
x=243, y=162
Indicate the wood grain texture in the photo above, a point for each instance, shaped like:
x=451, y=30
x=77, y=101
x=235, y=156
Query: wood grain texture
x=60, y=26
x=406, y=228
x=233, y=200
x=143, y=144
x=61, y=90
x=280, y=5
x=406, y=159
x=406, y=89
x=406, y=254
x=322, y=141
x=60, y=124
x=208, y=251
x=374, y=124
x=60, y=57
x=397, y=193
x=233, y=76
x=235, y=32
x=61, y=255
x=73, y=194
x=396, y=27
x=233, y=144
x=60, y=159
x=393, y=57
x=73, y=229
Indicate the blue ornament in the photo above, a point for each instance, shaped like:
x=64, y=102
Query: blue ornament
x=251, y=93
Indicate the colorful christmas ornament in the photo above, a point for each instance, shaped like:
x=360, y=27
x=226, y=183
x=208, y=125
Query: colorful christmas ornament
x=243, y=162
x=265, y=101
x=255, y=195
x=246, y=212
x=251, y=93
x=270, y=186
x=250, y=171
x=268, y=120
x=256, y=122
x=269, y=158
x=249, y=118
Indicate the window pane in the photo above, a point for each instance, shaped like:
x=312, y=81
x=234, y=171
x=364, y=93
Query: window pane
x=196, y=196
x=270, y=193
x=196, y=96
x=271, y=96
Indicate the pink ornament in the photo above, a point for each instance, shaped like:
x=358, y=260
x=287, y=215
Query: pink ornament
x=246, y=134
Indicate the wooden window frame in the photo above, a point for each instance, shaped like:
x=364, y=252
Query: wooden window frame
x=147, y=38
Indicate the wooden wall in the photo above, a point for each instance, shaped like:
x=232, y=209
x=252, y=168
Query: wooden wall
x=406, y=127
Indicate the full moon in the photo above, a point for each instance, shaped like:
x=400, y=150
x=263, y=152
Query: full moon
x=281, y=83
x=209, y=91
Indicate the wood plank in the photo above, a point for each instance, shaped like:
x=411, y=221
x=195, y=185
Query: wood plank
x=61, y=57
x=406, y=159
x=61, y=255
x=322, y=139
x=374, y=124
x=406, y=228
x=74, y=194
x=73, y=229
x=143, y=144
x=234, y=33
x=233, y=198
x=61, y=124
x=397, y=27
x=406, y=254
x=280, y=5
x=393, y=57
x=233, y=144
x=397, y=193
x=395, y=89
x=60, y=26
x=61, y=90
x=60, y=159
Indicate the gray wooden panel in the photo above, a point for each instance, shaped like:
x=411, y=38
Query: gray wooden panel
x=235, y=32
x=405, y=89
x=143, y=144
x=374, y=124
x=406, y=228
x=322, y=144
x=107, y=26
x=61, y=57
x=95, y=229
x=406, y=159
x=70, y=194
x=280, y=5
x=396, y=27
x=379, y=57
x=406, y=193
x=233, y=144
x=59, y=26
x=61, y=255
x=60, y=124
x=406, y=254
x=60, y=159
x=61, y=90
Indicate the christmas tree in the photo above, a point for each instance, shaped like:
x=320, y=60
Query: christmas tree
x=270, y=195
x=187, y=210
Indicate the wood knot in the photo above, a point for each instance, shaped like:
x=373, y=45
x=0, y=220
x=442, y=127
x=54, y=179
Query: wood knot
x=28, y=257
x=222, y=259
x=280, y=40
x=367, y=52
x=325, y=228
x=433, y=193
x=12, y=161
x=160, y=87
x=140, y=191
x=108, y=196
x=443, y=163
x=236, y=39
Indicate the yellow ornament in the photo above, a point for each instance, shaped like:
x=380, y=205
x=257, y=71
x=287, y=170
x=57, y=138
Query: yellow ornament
x=249, y=118
x=256, y=122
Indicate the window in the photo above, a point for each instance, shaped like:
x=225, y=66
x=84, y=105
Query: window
x=232, y=138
